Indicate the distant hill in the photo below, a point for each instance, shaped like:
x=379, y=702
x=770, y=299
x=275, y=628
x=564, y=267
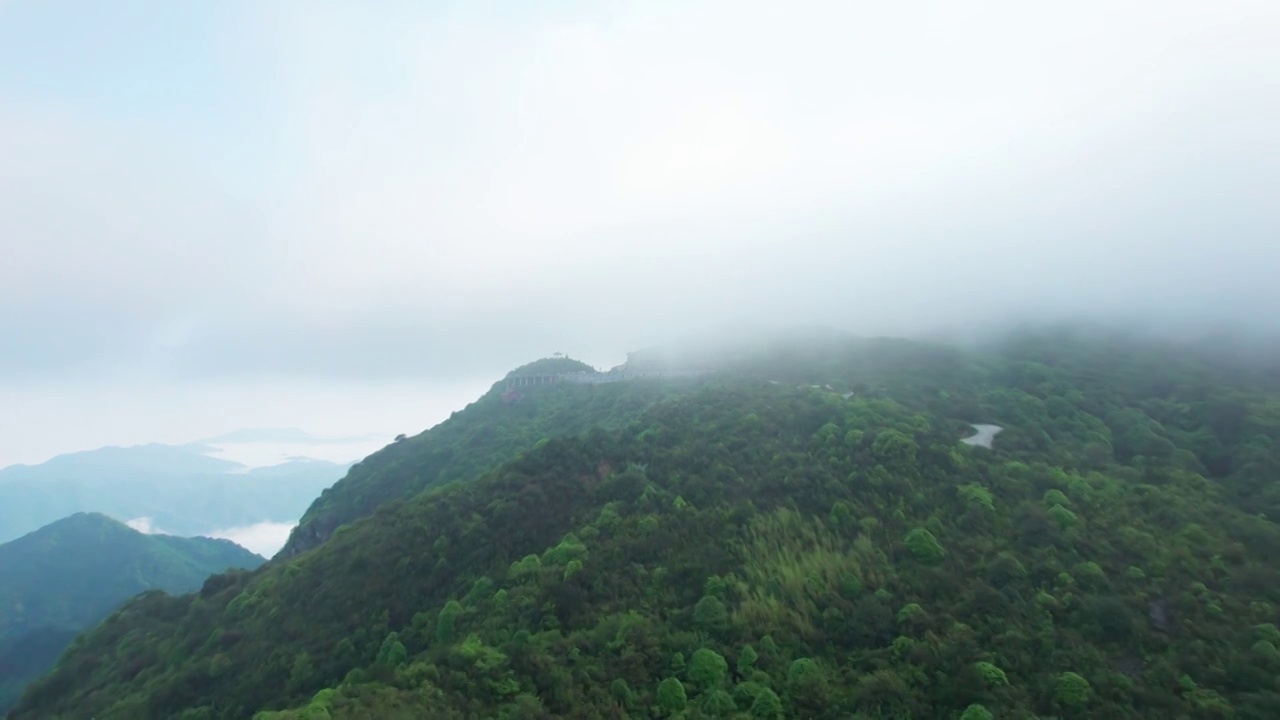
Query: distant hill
x=180, y=488
x=283, y=436
x=112, y=464
x=66, y=576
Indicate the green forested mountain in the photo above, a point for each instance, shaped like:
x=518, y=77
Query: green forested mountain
x=797, y=535
x=67, y=576
x=490, y=430
x=473, y=440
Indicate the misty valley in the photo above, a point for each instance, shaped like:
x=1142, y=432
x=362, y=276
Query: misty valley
x=83, y=532
x=1062, y=522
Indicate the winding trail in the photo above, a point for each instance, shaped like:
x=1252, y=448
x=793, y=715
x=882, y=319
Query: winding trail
x=984, y=437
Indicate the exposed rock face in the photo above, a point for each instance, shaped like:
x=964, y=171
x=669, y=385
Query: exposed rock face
x=985, y=436
x=1161, y=617
x=310, y=535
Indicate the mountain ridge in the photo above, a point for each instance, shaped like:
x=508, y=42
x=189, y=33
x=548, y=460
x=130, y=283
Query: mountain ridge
x=744, y=351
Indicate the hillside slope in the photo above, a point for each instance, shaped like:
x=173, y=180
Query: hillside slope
x=751, y=548
x=68, y=575
x=490, y=430
x=473, y=440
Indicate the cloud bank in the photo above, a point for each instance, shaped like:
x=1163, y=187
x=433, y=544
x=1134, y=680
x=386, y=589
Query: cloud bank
x=249, y=195
x=264, y=538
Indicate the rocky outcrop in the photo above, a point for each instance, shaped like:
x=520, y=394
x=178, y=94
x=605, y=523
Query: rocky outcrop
x=985, y=436
x=307, y=536
x=1160, y=615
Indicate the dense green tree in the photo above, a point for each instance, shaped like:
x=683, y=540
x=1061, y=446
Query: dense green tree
x=991, y=675
x=924, y=546
x=717, y=704
x=392, y=653
x=1072, y=690
x=747, y=660
x=767, y=705
x=671, y=695
x=711, y=614
x=976, y=712
x=707, y=669
x=447, y=622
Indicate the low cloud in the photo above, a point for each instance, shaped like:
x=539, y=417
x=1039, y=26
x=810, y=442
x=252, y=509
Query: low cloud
x=144, y=525
x=329, y=195
x=264, y=538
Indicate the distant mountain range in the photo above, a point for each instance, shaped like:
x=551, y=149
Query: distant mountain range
x=181, y=489
x=281, y=436
x=109, y=464
x=66, y=576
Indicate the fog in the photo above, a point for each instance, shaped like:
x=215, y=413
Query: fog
x=264, y=538
x=353, y=219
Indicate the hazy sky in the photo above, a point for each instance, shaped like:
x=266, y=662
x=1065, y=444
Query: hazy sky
x=352, y=217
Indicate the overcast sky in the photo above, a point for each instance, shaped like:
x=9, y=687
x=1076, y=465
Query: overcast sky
x=352, y=217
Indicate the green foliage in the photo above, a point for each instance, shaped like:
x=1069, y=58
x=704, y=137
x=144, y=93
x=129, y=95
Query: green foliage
x=1063, y=517
x=841, y=516
x=561, y=580
x=924, y=546
x=993, y=676
x=474, y=440
x=393, y=652
x=1267, y=632
x=717, y=704
x=747, y=660
x=1266, y=650
x=976, y=712
x=569, y=549
x=977, y=496
x=1055, y=497
x=909, y=612
x=525, y=567
x=767, y=705
x=1072, y=690
x=894, y=449
x=707, y=669
x=710, y=614
x=447, y=622
x=671, y=695
x=714, y=587
x=620, y=691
